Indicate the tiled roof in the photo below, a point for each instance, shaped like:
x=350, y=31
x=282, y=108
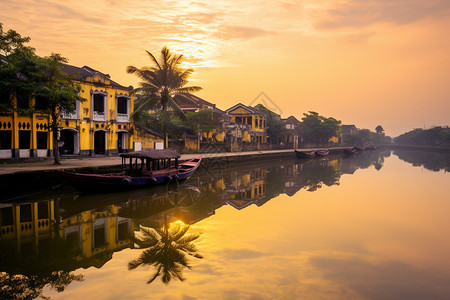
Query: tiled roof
x=82, y=73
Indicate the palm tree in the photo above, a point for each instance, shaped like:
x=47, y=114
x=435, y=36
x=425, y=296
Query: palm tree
x=161, y=83
x=167, y=250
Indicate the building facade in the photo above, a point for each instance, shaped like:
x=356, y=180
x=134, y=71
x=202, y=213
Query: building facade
x=247, y=124
x=101, y=124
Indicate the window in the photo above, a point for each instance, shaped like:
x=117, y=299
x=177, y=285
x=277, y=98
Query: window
x=122, y=231
x=25, y=213
x=99, y=237
x=5, y=139
x=23, y=101
x=99, y=103
x=6, y=216
x=122, y=105
x=43, y=210
x=40, y=102
x=260, y=123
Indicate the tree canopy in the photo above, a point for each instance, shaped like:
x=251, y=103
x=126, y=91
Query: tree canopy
x=161, y=83
x=319, y=129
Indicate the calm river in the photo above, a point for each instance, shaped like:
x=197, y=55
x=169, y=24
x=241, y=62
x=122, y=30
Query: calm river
x=370, y=226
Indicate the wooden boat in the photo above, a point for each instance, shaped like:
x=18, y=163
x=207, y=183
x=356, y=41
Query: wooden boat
x=304, y=154
x=350, y=151
x=143, y=168
x=323, y=152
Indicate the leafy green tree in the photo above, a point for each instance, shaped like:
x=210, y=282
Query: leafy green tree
x=319, y=129
x=57, y=93
x=202, y=121
x=19, y=68
x=161, y=83
x=166, y=249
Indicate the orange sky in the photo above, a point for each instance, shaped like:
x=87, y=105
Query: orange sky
x=368, y=63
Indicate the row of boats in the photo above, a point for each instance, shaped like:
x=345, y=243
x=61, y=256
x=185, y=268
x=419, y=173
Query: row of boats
x=325, y=152
x=152, y=167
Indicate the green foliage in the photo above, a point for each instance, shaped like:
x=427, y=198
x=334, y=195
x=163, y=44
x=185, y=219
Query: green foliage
x=161, y=83
x=19, y=67
x=436, y=136
x=319, y=129
x=201, y=121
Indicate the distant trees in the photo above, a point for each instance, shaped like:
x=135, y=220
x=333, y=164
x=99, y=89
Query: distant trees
x=436, y=136
x=318, y=129
x=379, y=129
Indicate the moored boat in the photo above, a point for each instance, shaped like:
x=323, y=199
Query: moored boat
x=304, y=154
x=359, y=149
x=147, y=167
x=349, y=151
x=323, y=152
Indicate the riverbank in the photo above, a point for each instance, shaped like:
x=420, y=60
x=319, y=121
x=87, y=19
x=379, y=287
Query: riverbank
x=111, y=161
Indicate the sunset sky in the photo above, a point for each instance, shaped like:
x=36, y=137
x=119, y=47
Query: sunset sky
x=368, y=63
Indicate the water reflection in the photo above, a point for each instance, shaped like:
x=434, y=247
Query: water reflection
x=166, y=250
x=46, y=240
x=432, y=161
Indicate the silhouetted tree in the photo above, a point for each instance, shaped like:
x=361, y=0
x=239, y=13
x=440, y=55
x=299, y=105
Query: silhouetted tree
x=161, y=83
x=166, y=249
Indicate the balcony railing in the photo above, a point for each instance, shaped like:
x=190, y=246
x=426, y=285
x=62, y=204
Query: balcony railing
x=123, y=118
x=98, y=116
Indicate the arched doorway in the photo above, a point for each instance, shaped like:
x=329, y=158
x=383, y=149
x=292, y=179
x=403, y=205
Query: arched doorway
x=100, y=142
x=122, y=141
x=71, y=142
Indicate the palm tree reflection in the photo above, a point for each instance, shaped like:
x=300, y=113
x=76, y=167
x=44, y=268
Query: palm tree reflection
x=167, y=249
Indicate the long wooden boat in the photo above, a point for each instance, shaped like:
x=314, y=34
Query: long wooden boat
x=304, y=154
x=323, y=152
x=350, y=151
x=143, y=168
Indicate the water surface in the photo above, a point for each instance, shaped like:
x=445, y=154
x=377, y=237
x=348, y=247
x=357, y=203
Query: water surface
x=371, y=226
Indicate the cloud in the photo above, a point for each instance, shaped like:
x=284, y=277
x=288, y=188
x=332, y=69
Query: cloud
x=384, y=280
x=359, y=13
x=237, y=254
x=241, y=32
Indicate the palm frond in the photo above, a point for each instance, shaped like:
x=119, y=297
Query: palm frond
x=153, y=58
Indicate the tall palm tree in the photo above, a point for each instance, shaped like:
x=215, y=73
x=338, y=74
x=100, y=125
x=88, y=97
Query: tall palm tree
x=166, y=249
x=161, y=83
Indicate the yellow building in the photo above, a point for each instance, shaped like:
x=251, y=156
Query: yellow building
x=24, y=133
x=99, y=125
x=30, y=226
x=251, y=122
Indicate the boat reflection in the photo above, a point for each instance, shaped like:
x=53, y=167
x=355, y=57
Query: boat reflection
x=48, y=240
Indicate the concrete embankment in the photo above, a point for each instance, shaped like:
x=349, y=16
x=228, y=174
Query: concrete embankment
x=20, y=178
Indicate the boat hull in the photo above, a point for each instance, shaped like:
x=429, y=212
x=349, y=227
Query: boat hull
x=115, y=181
x=305, y=154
